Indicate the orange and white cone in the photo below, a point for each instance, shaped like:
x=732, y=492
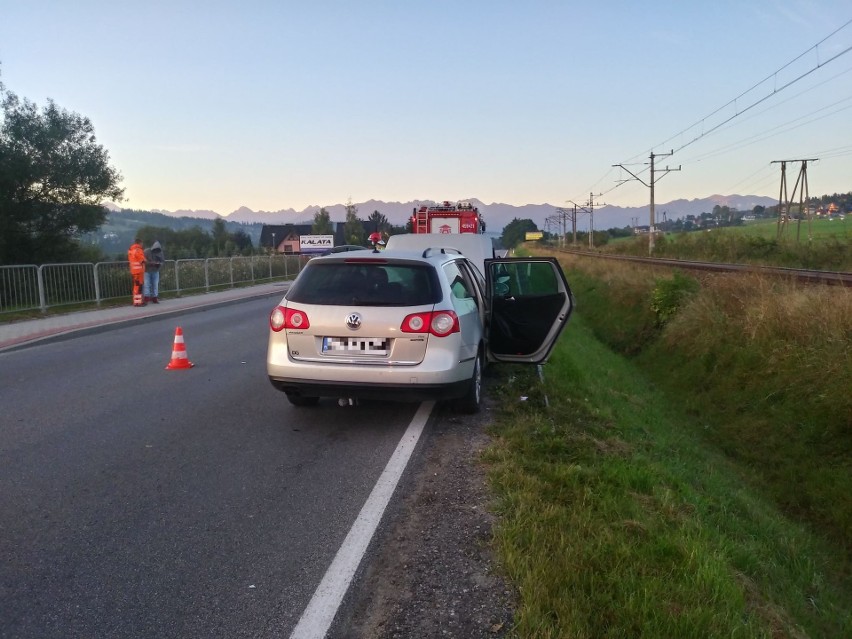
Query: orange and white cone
x=179, y=357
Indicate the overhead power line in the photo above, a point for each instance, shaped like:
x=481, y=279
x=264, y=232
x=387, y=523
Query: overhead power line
x=775, y=91
x=735, y=102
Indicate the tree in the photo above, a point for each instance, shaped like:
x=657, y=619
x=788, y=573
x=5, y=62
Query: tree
x=515, y=232
x=378, y=222
x=322, y=223
x=353, y=229
x=220, y=237
x=54, y=177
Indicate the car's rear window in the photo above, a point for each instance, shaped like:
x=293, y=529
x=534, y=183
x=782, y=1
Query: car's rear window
x=384, y=284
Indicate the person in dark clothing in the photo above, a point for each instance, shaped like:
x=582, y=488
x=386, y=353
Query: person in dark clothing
x=154, y=259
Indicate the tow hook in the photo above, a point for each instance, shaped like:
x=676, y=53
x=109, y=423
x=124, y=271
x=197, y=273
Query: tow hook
x=347, y=401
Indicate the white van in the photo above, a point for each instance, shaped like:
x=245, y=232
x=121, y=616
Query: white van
x=474, y=246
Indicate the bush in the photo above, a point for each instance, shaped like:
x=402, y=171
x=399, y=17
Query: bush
x=670, y=294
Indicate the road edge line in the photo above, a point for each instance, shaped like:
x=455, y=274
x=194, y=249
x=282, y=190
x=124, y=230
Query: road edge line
x=322, y=608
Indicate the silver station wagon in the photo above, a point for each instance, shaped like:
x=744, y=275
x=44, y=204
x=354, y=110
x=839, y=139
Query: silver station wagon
x=410, y=325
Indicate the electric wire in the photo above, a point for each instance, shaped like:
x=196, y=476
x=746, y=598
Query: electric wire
x=738, y=113
x=774, y=92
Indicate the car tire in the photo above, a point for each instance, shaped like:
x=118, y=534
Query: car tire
x=299, y=400
x=472, y=399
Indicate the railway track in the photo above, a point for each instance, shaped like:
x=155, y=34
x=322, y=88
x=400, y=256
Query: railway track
x=840, y=278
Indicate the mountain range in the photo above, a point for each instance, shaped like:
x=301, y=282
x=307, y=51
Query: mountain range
x=496, y=215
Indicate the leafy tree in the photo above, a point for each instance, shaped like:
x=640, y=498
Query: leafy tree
x=515, y=232
x=322, y=223
x=242, y=242
x=378, y=222
x=53, y=178
x=220, y=235
x=397, y=230
x=195, y=242
x=353, y=228
x=625, y=231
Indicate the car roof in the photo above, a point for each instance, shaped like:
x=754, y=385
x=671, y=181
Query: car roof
x=476, y=247
x=431, y=255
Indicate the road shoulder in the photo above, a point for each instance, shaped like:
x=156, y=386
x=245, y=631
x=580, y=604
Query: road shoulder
x=431, y=571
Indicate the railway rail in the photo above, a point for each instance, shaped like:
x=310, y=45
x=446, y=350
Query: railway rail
x=840, y=278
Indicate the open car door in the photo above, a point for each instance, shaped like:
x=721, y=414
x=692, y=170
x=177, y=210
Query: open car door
x=528, y=304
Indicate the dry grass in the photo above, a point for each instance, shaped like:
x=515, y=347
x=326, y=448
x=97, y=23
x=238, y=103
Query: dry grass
x=764, y=363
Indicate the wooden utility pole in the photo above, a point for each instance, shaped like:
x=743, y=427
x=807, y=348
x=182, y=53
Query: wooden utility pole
x=559, y=221
x=784, y=203
x=589, y=208
x=650, y=184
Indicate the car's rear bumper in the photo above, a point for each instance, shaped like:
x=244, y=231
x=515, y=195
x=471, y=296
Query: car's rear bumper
x=393, y=392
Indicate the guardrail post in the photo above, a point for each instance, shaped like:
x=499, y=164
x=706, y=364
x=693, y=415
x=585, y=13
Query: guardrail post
x=231, y=269
x=42, y=298
x=207, y=274
x=97, y=285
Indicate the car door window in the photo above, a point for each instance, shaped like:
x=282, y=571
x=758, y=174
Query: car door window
x=475, y=277
x=530, y=302
x=463, y=293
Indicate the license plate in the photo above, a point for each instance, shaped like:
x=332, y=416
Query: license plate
x=355, y=345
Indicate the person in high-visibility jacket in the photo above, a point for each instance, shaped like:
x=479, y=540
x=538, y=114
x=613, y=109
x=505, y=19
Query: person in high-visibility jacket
x=136, y=257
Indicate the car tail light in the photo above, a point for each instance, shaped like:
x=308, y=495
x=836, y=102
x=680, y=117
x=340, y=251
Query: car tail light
x=288, y=318
x=438, y=323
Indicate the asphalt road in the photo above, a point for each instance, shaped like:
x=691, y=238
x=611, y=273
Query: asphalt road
x=140, y=502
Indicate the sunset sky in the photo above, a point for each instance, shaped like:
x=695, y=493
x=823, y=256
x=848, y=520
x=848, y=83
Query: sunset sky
x=273, y=105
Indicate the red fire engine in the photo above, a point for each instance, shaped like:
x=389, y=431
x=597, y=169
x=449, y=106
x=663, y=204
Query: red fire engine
x=447, y=218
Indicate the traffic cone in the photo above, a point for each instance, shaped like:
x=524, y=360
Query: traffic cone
x=179, y=358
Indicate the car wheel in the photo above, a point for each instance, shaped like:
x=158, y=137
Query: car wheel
x=299, y=400
x=472, y=400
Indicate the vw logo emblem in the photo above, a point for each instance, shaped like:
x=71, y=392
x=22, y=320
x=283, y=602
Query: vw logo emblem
x=353, y=321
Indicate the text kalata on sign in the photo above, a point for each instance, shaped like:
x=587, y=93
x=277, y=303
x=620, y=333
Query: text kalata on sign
x=313, y=243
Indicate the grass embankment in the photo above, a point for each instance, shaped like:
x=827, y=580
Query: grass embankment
x=711, y=502
x=758, y=243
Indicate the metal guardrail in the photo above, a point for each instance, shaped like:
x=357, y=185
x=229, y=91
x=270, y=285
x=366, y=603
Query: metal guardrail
x=29, y=287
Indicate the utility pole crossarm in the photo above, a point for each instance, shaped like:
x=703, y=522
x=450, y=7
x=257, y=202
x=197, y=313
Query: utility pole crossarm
x=635, y=177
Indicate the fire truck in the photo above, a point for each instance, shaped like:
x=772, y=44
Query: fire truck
x=447, y=218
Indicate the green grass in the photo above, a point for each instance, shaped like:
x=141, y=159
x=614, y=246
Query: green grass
x=618, y=518
x=820, y=229
x=690, y=473
x=826, y=246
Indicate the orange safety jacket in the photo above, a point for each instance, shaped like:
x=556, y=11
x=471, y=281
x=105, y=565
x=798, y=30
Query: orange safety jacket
x=136, y=257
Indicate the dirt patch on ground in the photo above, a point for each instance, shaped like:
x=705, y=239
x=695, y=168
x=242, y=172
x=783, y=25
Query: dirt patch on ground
x=430, y=571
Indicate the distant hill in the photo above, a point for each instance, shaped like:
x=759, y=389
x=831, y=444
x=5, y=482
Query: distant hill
x=496, y=215
x=122, y=224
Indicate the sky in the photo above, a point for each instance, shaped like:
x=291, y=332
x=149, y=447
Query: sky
x=214, y=105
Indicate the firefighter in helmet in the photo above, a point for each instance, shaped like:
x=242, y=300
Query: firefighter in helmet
x=376, y=241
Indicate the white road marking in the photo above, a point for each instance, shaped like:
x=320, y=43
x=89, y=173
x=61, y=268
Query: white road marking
x=317, y=617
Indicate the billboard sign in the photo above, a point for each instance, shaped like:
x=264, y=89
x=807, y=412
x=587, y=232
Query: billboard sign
x=315, y=243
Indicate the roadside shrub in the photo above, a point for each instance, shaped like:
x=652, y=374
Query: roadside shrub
x=670, y=294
